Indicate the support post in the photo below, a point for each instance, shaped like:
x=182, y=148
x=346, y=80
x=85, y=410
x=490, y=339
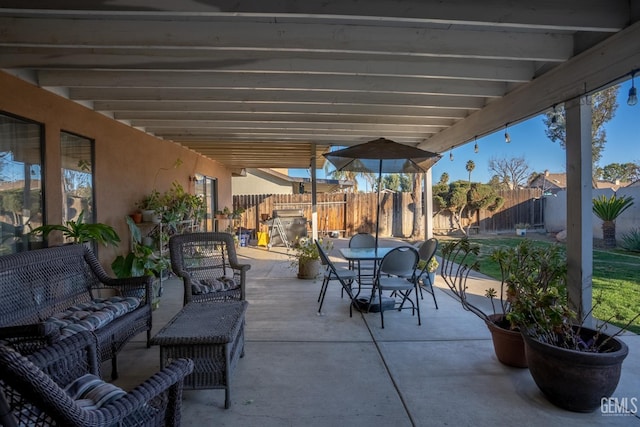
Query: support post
x=427, y=199
x=314, y=194
x=579, y=206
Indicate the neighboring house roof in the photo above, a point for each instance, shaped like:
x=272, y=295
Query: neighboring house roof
x=323, y=185
x=556, y=181
x=550, y=181
x=615, y=186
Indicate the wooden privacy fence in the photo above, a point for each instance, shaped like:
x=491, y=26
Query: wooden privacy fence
x=349, y=213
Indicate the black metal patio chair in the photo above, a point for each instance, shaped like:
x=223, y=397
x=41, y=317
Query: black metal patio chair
x=344, y=276
x=426, y=252
x=397, y=273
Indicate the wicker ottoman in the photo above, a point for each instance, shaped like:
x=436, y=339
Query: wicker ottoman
x=212, y=335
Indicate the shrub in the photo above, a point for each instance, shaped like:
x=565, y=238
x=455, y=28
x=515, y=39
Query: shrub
x=631, y=240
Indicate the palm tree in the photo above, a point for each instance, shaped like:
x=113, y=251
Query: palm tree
x=470, y=167
x=608, y=210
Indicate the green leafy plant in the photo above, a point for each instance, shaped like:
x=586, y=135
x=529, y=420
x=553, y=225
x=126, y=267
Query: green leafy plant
x=237, y=213
x=178, y=205
x=432, y=267
x=305, y=250
x=152, y=201
x=631, y=240
x=141, y=261
x=79, y=231
x=522, y=265
x=608, y=209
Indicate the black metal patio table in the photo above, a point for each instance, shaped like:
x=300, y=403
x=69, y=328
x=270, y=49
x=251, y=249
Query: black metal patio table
x=370, y=304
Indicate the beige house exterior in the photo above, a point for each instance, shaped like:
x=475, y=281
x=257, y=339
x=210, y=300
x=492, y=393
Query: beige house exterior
x=127, y=160
x=278, y=181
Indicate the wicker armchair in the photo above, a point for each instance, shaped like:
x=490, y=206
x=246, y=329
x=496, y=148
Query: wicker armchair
x=32, y=389
x=202, y=257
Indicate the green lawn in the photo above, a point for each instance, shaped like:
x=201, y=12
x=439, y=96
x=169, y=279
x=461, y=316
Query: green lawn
x=616, y=278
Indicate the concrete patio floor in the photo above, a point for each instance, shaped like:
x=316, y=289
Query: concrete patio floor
x=305, y=369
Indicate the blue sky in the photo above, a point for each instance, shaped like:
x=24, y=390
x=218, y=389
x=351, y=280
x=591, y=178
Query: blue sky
x=528, y=140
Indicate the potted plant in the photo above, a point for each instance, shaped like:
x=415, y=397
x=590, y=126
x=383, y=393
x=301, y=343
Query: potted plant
x=223, y=214
x=237, y=213
x=306, y=258
x=575, y=366
x=431, y=267
x=150, y=206
x=523, y=262
x=78, y=231
x=179, y=208
x=141, y=261
x=521, y=229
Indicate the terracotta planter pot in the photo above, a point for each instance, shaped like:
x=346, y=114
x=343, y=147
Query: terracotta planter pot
x=136, y=217
x=507, y=344
x=575, y=380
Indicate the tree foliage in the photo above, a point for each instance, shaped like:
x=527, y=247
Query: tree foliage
x=624, y=172
x=470, y=166
x=509, y=173
x=462, y=197
x=604, y=105
x=347, y=175
x=397, y=182
x=608, y=209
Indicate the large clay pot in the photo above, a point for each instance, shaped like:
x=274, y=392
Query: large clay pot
x=507, y=344
x=572, y=379
x=309, y=269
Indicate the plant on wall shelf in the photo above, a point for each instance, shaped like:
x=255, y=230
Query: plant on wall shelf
x=142, y=260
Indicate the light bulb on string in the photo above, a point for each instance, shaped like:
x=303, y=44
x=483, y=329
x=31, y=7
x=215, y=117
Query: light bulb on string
x=554, y=119
x=507, y=137
x=451, y=155
x=633, y=93
x=475, y=147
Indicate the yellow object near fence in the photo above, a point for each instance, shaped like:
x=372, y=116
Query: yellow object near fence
x=263, y=238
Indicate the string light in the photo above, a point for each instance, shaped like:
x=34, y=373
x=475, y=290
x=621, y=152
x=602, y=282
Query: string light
x=554, y=119
x=507, y=137
x=451, y=155
x=475, y=147
x=633, y=94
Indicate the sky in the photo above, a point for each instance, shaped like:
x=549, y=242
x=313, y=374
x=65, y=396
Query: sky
x=528, y=140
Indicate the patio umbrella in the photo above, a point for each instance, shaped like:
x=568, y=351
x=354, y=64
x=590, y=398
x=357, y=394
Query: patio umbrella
x=382, y=156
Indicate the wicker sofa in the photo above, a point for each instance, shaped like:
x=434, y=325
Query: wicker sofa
x=49, y=294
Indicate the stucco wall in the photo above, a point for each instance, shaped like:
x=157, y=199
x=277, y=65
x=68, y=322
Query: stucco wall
x=127, y=160
x=252, y=184
x=555, y=212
